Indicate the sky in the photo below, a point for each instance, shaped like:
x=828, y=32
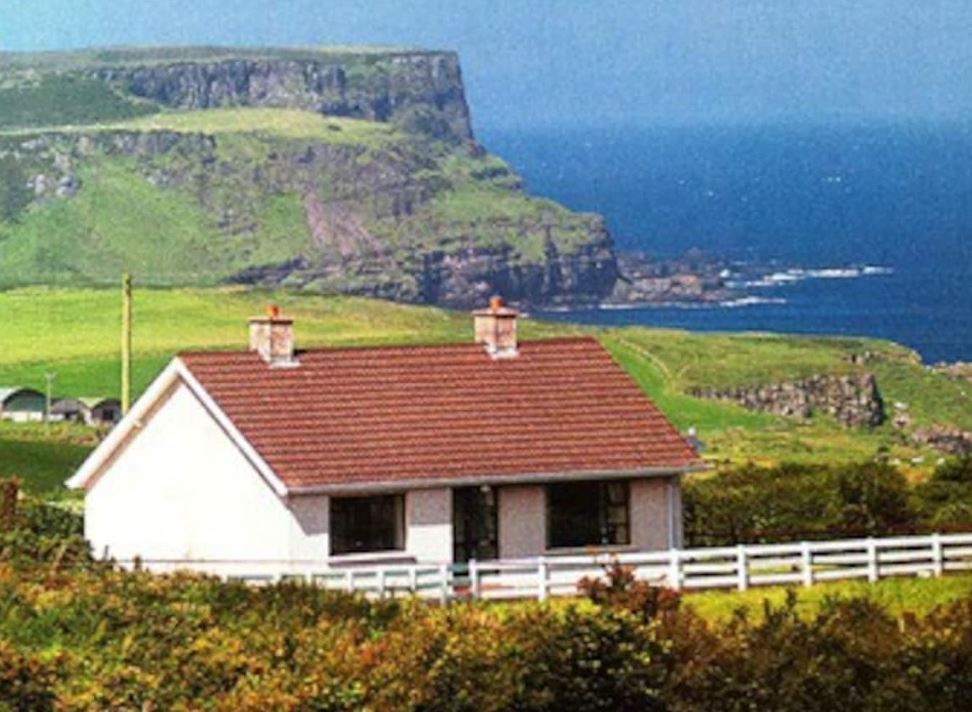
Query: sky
x=592, y=62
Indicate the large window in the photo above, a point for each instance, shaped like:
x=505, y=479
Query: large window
x=362, y=524
x=587, y=514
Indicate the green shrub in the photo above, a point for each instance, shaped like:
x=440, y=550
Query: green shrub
x=619, y=588
x=946, y=498
x=27, y=683
x=851, y=655
x=792, y=502
x=59, y=99
x=33, y=531
x=99, y=639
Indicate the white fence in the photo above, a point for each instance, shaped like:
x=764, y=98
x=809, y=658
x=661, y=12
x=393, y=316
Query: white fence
x=739, y=567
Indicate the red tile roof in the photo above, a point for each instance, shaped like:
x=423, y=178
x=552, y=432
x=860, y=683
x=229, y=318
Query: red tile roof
x=354, y=416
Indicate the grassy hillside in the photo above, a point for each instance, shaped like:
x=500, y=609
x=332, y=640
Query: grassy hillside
x=201, y=197
x=670, y=362
x=75, y=333
x=331, y=169
x=285, y=123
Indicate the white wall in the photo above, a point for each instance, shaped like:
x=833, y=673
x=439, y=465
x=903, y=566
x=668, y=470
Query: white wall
x=428, y=524
x=650, y=518
x=309, y=527
x=181, y=489
x=522, y=519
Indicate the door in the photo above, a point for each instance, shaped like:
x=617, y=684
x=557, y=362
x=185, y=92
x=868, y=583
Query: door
x=474, y=528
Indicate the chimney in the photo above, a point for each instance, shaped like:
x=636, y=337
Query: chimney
x=496, y=329
x=272, y=336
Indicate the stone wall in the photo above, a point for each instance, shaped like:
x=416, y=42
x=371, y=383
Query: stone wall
x=948, y=439
x=854, y=400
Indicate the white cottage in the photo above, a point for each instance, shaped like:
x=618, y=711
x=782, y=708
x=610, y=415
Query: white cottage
x=408, y=454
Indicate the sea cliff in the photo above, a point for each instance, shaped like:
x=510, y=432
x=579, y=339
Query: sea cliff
x=335, y=171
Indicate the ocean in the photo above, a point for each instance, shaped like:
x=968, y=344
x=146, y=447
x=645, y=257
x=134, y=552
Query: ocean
x=894, y=198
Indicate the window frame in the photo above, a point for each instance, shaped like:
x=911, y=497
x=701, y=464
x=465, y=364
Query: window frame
x=603, y=515
x=398, y=531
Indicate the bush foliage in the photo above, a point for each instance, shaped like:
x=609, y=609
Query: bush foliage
x=77, y=635
x=795, y=502
x=95, y=639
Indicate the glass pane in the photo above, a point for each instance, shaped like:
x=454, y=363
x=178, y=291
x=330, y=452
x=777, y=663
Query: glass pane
x=587, y=514
x=474, y=524
x=362, y=524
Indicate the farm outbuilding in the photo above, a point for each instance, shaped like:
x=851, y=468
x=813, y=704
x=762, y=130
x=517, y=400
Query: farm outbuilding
x=90, y=411
x=21, y=405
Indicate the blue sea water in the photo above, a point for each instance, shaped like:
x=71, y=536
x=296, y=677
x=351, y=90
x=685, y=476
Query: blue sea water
x=897, y=196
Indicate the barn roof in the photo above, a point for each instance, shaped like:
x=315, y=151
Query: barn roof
x=7, y=392
x=359, y=417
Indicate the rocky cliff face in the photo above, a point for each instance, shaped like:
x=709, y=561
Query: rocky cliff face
x=468, y=277
x=421, y=90
x=370, y=222
x=854, y=400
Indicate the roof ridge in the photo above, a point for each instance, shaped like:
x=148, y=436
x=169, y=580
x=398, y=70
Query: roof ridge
x=583, y=338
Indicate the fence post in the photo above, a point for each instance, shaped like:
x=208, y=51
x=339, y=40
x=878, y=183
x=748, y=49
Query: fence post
x=413, y=579
x=742, y=568
x=938, y=559
x=806, y=556
x=674, y=570
x=541, y=579
x=872, y=560
x=381, y=583
x=444, y=584
x=349, y=580
x=473, y=579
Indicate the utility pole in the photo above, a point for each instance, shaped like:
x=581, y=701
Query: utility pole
x=126, y=344
x=49, y=376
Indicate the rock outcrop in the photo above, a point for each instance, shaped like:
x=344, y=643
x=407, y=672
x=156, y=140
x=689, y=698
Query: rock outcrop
x=958, y=371
x=853, y=400
x=692, y=278
x=466, y=278
x=398, y=86
x=950, y=440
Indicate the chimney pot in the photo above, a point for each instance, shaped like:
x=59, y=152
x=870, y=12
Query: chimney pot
x=495, y=329
x=272, y=337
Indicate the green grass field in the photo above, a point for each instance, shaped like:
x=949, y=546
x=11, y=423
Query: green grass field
x=41, y=455
x=284, y=123
x=898, y=595
x=75, y=333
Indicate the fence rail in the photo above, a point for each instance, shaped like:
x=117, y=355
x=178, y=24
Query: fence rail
x=739, y=567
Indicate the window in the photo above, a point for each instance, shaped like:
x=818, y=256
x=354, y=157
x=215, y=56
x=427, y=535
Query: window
x=362, y=524
x=587, y=514
x=474, y=525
